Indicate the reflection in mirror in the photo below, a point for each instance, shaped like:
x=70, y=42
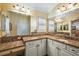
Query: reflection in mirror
x=61, y=27
x=5, y=25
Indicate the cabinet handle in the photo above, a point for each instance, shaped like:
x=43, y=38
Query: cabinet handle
x=74, y=50
x=58, y=48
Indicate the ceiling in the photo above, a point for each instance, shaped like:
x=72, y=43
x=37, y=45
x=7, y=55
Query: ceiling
x=43, y=7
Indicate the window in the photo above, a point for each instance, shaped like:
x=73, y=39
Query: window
x=51, y=26
x=42, y=24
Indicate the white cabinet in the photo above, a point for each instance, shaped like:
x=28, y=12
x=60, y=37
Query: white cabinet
x=54, y=47
x=36, y=48
x=50, y=47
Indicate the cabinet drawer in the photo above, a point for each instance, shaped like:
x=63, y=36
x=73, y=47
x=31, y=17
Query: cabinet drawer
x=29, y=44
x=73, y=49
x=67, y=53
x=33, y=43
x=59, y=44
x=43, y=40
x=37, y=42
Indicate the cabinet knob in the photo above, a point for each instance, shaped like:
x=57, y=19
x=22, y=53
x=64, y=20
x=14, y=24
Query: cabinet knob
x=37, y=45
x=58, y=48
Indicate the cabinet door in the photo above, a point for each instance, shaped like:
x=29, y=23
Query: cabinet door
x=49, y=42
x=58, y=51
x=42, y=48
x=50, y=49
x=54, y=51
x=31, y=49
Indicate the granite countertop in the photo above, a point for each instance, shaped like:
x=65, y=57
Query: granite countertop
x=11, y=50
x=10, y=45
x=15, y=44
x=72, y=42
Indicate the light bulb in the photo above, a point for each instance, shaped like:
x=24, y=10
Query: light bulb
x=58, y=11
x=23, y=9
x=17, y=7
x=28, y=10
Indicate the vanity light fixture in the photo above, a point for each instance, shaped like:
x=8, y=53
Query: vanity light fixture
x=61, y=9
x=58, y=20
x=21, y=9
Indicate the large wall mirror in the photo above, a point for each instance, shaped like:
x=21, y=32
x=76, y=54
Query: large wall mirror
x=75, y=28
